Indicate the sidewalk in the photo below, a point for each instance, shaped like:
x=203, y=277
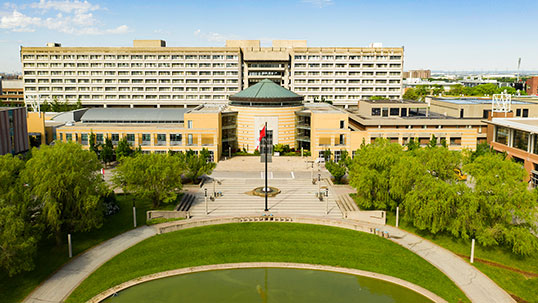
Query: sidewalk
x=477, y=286
x=66, y=279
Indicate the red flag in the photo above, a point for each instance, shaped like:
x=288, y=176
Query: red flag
x=262, y=133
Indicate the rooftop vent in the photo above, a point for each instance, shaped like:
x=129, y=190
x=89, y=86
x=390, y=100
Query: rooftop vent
x=54, y=44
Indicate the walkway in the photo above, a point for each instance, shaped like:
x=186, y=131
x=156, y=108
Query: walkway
x=58, y=287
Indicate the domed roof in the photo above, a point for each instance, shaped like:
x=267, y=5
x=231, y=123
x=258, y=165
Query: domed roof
x=267, y=91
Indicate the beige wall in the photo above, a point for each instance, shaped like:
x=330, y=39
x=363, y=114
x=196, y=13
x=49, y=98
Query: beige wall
x=326, y=131
x=36, y=124
x=247, y=135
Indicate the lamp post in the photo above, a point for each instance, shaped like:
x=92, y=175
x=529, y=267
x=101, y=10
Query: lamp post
x=205, y=198
x=472, y=246
x=134, y=214
x=327, y=201
x=319, y=185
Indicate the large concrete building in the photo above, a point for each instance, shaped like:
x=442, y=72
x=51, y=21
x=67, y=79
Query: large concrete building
x=151, y=74
x=11, y=91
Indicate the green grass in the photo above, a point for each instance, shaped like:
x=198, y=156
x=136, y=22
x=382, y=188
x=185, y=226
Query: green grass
x=50, y=257
x=514, y=283
x=269, y=242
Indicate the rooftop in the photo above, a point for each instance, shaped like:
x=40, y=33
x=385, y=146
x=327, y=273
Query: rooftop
x=134, y=115
x=525, y=124
x=473, y=101
x=265, y=89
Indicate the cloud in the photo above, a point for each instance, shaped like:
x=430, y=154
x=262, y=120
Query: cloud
x=319, y=3
x=65, y=16
x=213, y=36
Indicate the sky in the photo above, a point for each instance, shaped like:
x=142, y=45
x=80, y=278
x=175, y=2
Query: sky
x=471, y=35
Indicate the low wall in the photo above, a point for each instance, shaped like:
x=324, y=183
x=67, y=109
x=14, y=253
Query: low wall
x=367, y=227
x=111, y=291
x=166, y=214
x=370, y=216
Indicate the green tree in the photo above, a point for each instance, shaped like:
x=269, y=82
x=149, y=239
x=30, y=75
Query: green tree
x=456, y=90
x=439, y=162
x=412, y=145
x=93, y=146
x=339, y=169
x=410, y=94
x=124, y=149
x=196, y=165
x=433, y=142
x=65, y=181
x=370, y=174
x=107, y=152
x=501, y=210
x=18, y=232
x=156, y=177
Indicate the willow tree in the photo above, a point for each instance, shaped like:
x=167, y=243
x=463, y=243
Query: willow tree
x=64, y=179
x=156, y=177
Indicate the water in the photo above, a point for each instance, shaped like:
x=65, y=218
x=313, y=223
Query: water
x=267, y=285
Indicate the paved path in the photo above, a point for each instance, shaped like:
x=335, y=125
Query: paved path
x=66, y=279
x=476, y=285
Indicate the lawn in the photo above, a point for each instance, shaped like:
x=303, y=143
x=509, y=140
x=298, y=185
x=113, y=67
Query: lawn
x=269, y=242
x=514, y=283
x=51, y=257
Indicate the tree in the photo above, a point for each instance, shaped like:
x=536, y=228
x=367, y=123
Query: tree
x=501, y=210
x=124, y=149
x=18, y=232
x=107, y=152
x=64, y=180
x=433, y=142
x=339, y=169
x=93, y=146
x=370, y=174
x=412, y=145
x=410, y=94
x=196, y=165
x=156, y=177
x=456, y=90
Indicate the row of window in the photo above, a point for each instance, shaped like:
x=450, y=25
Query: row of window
x=345, y=89
x=126, y=89
x=128, y=57
x=518, y=139
x=342, y=73
x=346, y=81
x=130, y=73
x=134, y=97
x=345, y=65
x=135, y=81
x=129, y=65
x=345, y=57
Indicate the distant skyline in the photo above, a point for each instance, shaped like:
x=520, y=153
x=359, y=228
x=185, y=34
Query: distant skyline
x=439, y=35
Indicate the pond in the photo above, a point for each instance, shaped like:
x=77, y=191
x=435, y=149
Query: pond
x=267, y=285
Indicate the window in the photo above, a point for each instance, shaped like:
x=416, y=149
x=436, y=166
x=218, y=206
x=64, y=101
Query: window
x=175, y=139
x=189, y=139
x=130, y=138
x=456, y=141
x=342, y=139
x=394, y=111
x=68, y=137
x=525, y=112
x=376, y=111
x=385, y=112
x=146, y=139
x=161, y=139
x=518, y=112
x=99, y=138
x=485, y=113
x=84, y=139
x=521, y=139
x=342, y=124
x=501, y=135
x=115, y=138
x=403, y=112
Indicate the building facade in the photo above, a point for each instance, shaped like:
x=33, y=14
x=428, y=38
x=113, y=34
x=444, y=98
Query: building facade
x=149, y=73
x=419, y=73
x=532, y=86
x=11, y=91
x=309, y=126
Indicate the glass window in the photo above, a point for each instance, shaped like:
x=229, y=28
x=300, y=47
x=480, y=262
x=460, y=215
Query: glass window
x=385, y=112
x=98, y=138
x=501, y=135
x=146, y=139
x=376, y=111
x=175, y=139
x=130, y=138
x=189, y=124
x=161, y=139
x=84, y=139
x=455, y=141
x=403, y=112
x=189, y=139
x=115, y=138
x=68, y=137
x=342, y=123
x=521, y=139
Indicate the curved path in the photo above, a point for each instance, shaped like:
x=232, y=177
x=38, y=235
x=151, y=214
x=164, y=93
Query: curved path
x=477, y=286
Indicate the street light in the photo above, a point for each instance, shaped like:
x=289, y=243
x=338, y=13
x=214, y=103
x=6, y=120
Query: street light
x=327, y=201
x=319, y=185
x=205, y=197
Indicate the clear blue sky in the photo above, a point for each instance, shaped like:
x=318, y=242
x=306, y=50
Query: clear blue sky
x=448, y=35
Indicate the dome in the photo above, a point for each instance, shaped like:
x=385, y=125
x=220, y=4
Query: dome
x=266, y=93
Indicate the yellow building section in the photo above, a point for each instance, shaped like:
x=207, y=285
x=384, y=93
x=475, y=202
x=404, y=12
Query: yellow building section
x=152, y=137
x=250, y=120
x=456, y=138
x=329, y=131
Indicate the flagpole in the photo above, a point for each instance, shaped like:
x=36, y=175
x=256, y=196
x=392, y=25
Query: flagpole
x=266, y=151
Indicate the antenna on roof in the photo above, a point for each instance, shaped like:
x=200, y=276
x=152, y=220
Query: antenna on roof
x=518, y=65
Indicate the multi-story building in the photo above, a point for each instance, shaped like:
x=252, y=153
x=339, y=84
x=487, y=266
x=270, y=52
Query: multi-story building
x=419, y=73
x=316, y=127
x=11, y=92
x=13, y=130
x=532, y=86
x=149, y=73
